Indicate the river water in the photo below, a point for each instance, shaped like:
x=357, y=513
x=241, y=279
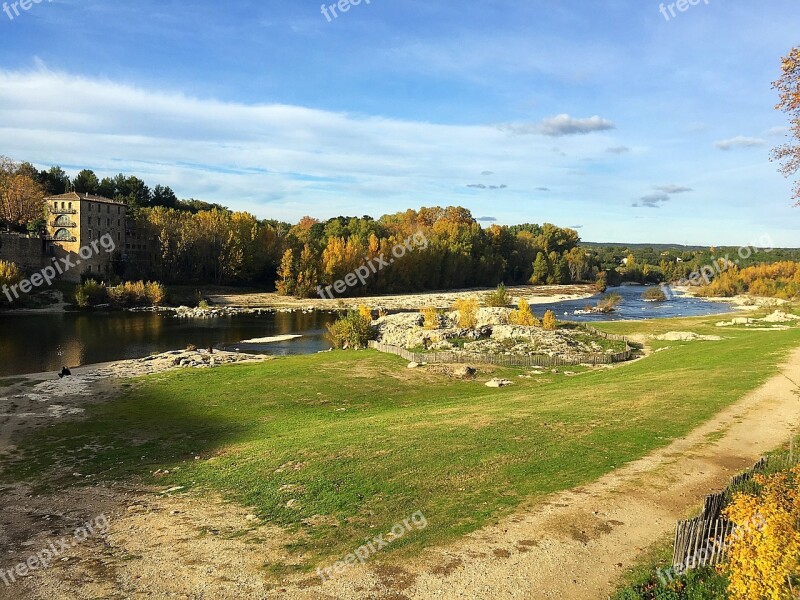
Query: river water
x=32, y=343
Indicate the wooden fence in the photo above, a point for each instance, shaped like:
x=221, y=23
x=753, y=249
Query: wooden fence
x=702, y=541
x=502, y=360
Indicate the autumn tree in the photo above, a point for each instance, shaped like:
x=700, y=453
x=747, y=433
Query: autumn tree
x=549, y=321
x=21, y=196
x=788, y=87
x=286, y=280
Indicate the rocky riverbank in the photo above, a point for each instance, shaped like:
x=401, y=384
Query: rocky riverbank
x=492, y=335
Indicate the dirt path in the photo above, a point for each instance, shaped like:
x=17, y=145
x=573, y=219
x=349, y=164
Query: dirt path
x=575, y=545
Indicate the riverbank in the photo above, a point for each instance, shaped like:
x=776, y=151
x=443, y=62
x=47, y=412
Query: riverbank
x=231, y=483
x=741, y=302
x=535, y=295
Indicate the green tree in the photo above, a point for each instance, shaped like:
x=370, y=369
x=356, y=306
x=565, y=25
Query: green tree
x=541, y=270
x=86, y=182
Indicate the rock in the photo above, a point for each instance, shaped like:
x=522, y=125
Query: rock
x=686, y=336
x=413, y=365
x=464, y=372
x=498, y=383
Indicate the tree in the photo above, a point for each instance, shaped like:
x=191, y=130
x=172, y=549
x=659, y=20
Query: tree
x=86, y=182
x=549, y=321
x=541, y=270
x=788, y=87
x=523, y=315
x=21, y=197
x=55, y=181
x=467, y=309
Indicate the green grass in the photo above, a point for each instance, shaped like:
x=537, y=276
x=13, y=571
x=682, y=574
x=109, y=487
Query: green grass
x=369, y=442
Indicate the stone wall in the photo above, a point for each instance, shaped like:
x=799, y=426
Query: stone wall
x=28, y=253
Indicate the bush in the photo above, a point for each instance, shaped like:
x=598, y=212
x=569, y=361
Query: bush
x=10, y=274
x=467, y=309
x=91, y=293
x=352, y=331
x=498, y=298
x=763, y=552
x=549, y=321
x=366, y=312
x=430, y=317
x=154, y=293
x=609, y=302
x=136, y=293
x=601, y=283
x=523, y=315
x=655, y=294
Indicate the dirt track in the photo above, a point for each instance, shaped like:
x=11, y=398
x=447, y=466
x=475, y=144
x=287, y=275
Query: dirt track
x=575, y=545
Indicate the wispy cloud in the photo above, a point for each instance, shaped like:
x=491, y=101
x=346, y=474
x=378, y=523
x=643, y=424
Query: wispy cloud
x=652, y=200
x=618, y=150
x=739, y=141
x=673, y=188
x=481, y=186
x=560, y=126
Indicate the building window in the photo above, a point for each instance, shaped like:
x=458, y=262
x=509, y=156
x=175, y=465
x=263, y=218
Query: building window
x=89, y=269
x=62, y=235
x=62, y=205
x=55, y=205
x=70, y=206
x=62, y=221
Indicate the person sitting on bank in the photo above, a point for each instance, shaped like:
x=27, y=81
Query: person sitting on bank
x=65, y=372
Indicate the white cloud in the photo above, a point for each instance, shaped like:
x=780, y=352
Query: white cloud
x=673, y=188
x=618, y=150
x=739, y=141
x=652, y=200
x=560, y=125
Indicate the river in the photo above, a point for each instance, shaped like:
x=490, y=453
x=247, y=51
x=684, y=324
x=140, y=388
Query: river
x=32, y=343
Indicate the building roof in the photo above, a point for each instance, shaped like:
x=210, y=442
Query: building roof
x=74, y=196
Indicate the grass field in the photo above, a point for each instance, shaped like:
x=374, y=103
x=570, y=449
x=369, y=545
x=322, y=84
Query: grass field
x=361, y=438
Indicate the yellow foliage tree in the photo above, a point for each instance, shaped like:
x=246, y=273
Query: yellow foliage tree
x=765, y=548
x=523, y=315
x=365, y=312
x=467, y=309
x=431, y=317
x=549, y=321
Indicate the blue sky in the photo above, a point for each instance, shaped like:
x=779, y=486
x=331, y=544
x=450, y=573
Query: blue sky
x=600, y=115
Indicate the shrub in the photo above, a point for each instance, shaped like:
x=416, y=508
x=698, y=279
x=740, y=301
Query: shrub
x=763, y=552
x=366, y=312
x=655, y=294
x=155, y=293
x=203, y=305
x=352, y=331
x=609, y=302
x=549, y=321
x=91, y=293
x=523, y=315
x=135, y=293
x=467, y=309
x=10, y=274
x=498, y=298
x=601, y=283
x=430, y=317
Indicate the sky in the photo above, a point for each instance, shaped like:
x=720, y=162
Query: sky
x=613, y=117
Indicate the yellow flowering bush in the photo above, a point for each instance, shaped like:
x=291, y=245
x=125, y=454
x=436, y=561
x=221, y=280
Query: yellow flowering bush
x=764, y=549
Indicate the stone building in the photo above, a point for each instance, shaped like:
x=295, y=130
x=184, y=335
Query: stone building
x=76, y=226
